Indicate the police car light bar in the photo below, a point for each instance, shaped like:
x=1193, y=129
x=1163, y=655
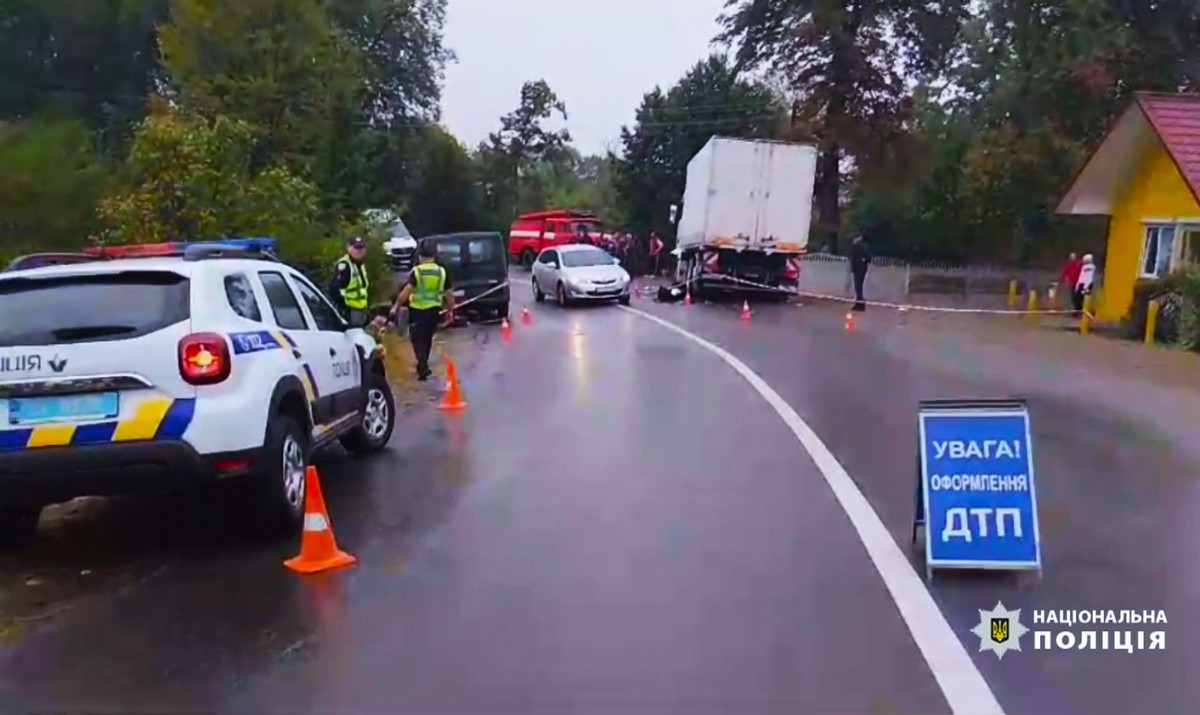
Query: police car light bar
x=38, y=260
x=195, y=249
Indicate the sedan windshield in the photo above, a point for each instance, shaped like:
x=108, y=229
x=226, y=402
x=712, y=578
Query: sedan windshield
x=577, y=259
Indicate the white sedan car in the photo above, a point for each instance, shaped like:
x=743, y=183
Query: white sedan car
x=579, y=272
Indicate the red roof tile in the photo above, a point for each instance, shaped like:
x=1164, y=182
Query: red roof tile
x=1176, y=120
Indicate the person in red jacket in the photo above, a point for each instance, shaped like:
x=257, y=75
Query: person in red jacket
x=1070, y=273
x=656, y=247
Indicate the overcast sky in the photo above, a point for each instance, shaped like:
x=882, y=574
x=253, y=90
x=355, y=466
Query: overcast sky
x=600, y=56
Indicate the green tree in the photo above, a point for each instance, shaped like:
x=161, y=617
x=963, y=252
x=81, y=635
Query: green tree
x=671, y=127
x=441, y=191
x=51, y=181
x=94, y=60
x=278, y=65
x=1039, y=84
x=189, y=178
x=403, y=54
x=847, y=63
x=522, y=143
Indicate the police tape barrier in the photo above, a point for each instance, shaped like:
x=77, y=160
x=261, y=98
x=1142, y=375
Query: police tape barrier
x=975, y=493
x=902, y=307
x=472, y=299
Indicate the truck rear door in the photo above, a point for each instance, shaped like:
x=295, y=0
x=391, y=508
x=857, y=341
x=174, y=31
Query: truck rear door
x=785, y=206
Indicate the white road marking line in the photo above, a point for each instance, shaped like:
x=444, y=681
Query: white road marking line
x=963, y=686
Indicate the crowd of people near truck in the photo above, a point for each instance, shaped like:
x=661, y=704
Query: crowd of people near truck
x=531, y=233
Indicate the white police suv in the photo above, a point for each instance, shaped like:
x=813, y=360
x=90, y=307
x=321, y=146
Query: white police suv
x=150, y=367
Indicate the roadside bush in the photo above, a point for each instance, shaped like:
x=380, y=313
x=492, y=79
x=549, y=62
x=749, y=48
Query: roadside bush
x=188, y=178
x=1179, y=308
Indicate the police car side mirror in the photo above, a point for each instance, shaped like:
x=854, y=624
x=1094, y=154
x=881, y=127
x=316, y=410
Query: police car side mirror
x=357, y=319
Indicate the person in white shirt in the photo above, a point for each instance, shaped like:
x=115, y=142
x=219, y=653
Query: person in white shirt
x=1083, y=284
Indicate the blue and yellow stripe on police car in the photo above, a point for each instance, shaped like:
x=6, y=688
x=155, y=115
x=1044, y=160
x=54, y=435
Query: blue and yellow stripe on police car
x=261, y=340
x=156, y=419
x=309, y=382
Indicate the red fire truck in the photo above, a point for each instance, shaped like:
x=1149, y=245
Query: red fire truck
x=532, y=232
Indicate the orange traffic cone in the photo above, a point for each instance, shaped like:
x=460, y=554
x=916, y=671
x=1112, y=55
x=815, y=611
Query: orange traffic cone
x=687, y=297
x=850, y=322
x=318, y=549
x=526, y=316
x=505, y=330
x=453, y=399
x=745, y=311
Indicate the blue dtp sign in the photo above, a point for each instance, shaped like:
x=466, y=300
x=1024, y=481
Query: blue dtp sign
x=976, y=490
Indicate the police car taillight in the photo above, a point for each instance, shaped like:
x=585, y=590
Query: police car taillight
x=204, y=358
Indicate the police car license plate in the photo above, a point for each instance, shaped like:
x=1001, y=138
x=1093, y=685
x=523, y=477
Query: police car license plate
x=36, y=410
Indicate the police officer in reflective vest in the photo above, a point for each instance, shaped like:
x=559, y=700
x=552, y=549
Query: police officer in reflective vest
x=426, y=292
x=350, y=287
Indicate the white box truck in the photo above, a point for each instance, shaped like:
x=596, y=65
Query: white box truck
x=747, y=205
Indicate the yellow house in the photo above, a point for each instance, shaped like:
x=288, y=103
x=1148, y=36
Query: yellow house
x=1146, y=177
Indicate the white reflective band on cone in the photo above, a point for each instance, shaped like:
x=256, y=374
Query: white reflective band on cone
x=315, y=522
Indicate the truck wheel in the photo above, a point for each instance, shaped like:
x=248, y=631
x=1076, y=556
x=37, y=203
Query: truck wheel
x=379, y=418
x=18, y=526
x=538, y=295
x=282, y=480
x=527, y=259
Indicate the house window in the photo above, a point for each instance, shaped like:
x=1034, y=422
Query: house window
x=1157, y=250
x=1189, y=247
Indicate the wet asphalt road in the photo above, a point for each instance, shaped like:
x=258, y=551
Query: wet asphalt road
x=617, y=524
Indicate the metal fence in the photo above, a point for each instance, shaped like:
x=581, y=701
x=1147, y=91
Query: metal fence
x=931, y=283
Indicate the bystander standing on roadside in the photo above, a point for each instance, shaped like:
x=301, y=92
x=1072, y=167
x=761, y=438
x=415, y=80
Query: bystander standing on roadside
x=1070, y=274
x=656, y=247
x=860, y=261
x=1083, y=282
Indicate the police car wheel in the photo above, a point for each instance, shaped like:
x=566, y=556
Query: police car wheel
x=285, y=459
x=379, y=418
x=538, y=295
x=563, y=301
x=18, y=527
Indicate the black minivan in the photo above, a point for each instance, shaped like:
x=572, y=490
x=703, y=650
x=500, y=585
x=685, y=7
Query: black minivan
x=478, y=268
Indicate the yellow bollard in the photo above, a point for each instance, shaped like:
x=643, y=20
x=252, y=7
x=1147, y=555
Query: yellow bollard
x=1085, y=321
x=1151, y=321
x=1033, y=303
x=1012, y=293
